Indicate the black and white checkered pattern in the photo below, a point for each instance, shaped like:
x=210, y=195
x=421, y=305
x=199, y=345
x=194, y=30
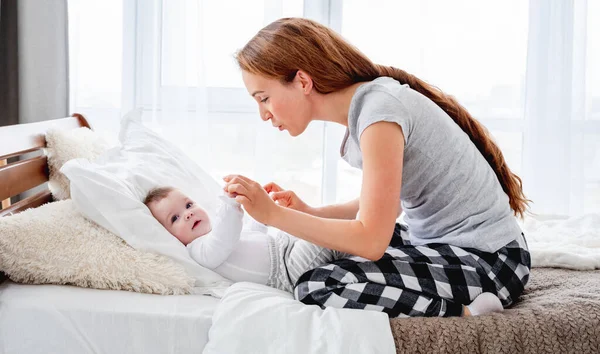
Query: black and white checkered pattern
x=429, y=280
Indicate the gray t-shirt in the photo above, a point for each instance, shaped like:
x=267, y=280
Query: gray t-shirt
x=450, y=194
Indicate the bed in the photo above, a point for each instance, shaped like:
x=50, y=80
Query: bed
x=558, y=313
x=68, y=319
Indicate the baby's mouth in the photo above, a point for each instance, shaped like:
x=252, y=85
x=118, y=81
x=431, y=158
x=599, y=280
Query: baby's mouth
x=196, y=224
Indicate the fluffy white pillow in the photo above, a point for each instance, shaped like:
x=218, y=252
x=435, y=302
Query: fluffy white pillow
x=111, y=189
x=55, y=244
x=254, y=318
x=64, y=145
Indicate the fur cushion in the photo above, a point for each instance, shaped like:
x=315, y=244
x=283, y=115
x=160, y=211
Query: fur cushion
x=55, y=244
x=64, y=145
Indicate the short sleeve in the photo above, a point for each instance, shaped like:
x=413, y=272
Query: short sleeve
x=380, y=105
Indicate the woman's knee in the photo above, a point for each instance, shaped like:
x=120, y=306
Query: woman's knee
x=315, y=285
x=305, y=288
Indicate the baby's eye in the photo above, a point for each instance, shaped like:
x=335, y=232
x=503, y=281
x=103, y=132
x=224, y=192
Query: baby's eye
x=189, y=205
x=174, y=218
x=264, y=100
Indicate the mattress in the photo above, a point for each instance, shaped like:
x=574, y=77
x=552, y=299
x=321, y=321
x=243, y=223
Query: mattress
x=66, y=319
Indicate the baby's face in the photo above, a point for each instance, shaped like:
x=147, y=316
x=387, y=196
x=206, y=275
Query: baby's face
x=181, y=217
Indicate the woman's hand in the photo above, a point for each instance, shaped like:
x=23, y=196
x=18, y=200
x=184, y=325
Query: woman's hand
x=253, y=197
x=286, y=198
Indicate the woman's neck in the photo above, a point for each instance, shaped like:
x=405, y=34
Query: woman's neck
x=334, y=107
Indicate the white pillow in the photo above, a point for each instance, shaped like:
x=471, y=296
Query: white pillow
x=111, y=189
x=64, y=145
x=254, y=318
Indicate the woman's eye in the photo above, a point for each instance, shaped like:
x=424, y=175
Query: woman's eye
x=188, y=205
x=264, y=100
x=174, y=218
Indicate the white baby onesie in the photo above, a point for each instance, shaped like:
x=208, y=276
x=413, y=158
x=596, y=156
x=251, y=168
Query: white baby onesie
x=249, y=253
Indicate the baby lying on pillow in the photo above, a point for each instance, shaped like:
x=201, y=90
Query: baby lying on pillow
x=249, y=254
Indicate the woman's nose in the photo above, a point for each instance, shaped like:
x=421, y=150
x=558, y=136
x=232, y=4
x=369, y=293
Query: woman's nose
x=266, y=116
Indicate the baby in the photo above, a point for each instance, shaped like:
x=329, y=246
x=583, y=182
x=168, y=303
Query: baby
x=231, y=250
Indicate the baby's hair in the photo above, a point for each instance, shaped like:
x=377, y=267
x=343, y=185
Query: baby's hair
x=157, y=194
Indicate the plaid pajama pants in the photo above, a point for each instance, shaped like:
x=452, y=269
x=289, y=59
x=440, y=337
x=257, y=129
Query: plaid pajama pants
x=430, y=280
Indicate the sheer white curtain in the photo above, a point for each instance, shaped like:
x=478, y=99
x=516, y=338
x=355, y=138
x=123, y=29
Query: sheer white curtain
x=527, y=70
x=561, y=152
x=175, y=58
x=530, y=71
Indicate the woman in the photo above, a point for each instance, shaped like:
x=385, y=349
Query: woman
x=420, y=152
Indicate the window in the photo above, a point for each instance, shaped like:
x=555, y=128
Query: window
x=592, y=60
x=465, y=48
x=175, y=58
x=96, y=60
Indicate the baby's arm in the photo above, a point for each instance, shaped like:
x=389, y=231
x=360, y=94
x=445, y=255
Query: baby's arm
x=253, y=225
x=215, y=247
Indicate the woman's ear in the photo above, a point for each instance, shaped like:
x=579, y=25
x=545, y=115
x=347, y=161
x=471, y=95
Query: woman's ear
x=304, y=81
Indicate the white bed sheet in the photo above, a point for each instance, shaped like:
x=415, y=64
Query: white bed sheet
x=66, y=319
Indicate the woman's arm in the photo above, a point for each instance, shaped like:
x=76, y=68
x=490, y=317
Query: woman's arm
x=289, y=199
x=382, y=145
x=346, y=210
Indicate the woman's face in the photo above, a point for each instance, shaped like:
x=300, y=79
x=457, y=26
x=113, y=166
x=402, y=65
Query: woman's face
x=285, y=105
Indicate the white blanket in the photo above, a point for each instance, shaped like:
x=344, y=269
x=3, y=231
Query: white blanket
x=253, y=318
x=572, y=243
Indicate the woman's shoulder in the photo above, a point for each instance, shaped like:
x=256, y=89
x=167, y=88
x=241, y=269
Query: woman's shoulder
x=384, y=85
x=383, y=99
x=382, y=94
x=387, y=97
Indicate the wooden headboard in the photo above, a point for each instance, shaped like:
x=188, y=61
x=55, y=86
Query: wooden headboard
x=18, y=174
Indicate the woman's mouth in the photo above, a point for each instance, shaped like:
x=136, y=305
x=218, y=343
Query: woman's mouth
x=280, y=127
